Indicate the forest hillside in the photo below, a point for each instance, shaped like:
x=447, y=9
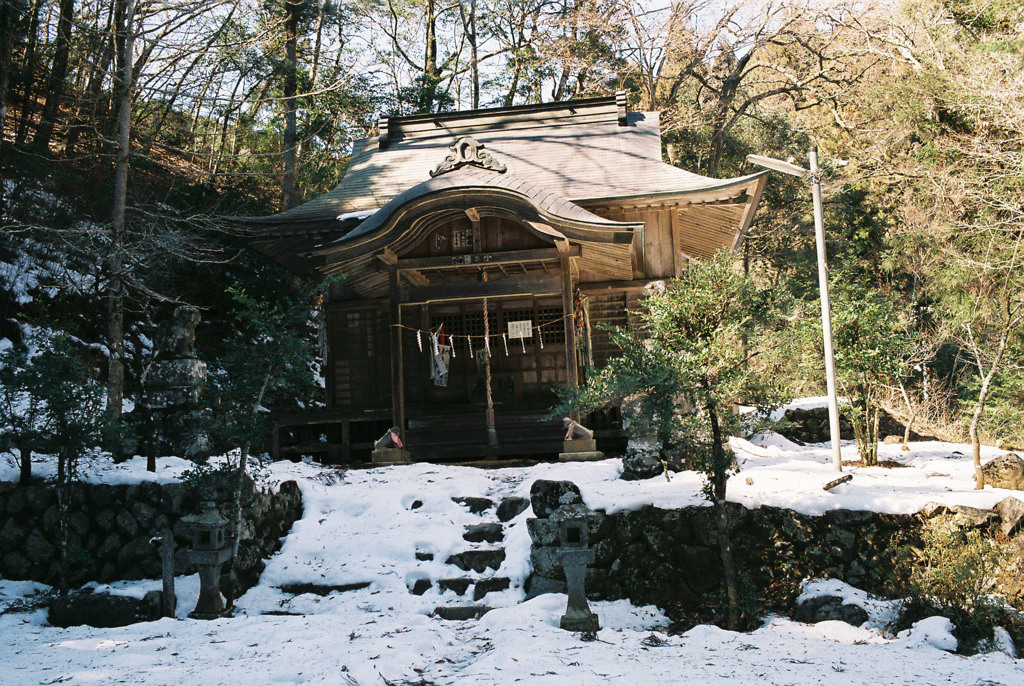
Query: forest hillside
x=131, y=129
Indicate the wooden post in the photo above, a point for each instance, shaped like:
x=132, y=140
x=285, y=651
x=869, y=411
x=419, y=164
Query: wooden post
x=492, y=434
x=572, y=373
x=346, y=440
x=275, y=441
x=168, y=601
x=397, y=371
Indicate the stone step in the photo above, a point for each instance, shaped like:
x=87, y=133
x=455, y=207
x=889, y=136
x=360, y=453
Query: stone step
x=489, y=532
x=461, y=613
x=485, y=586
x=460, y=585
x=421, y=586
x=477, y=560
x=512, y=507
x=322, y=589
x=475, y=504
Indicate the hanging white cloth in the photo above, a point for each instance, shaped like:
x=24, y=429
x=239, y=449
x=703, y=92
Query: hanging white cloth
x=440, y=355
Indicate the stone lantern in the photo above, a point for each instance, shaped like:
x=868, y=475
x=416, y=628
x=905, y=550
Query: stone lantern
x=211, y=548
x=575, y=556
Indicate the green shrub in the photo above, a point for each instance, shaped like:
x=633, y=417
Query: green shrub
x=956, y=575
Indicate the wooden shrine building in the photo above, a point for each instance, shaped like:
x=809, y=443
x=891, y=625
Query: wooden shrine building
x=551, y=218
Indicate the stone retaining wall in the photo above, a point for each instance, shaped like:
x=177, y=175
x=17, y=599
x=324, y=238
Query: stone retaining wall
x=652, y=555
x=111, y=528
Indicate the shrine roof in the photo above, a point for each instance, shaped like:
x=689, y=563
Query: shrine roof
x=584, y=150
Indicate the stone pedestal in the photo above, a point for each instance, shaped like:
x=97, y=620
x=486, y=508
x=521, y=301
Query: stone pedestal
x=589, y=456
x=578, y=616
x=210, y=604
x=390, y=456
x=580, y=450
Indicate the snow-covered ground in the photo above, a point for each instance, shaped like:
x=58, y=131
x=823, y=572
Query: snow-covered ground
x=367, y=526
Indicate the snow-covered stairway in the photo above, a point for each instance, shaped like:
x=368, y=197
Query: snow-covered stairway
x=475, y=568
x=401, y=539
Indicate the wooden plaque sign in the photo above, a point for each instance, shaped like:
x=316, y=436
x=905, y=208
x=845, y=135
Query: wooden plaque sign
x=522, y=329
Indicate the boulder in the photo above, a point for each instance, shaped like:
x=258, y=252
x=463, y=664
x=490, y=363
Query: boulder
x=15, y=566
x=37, y=549
x=547, y=496
x=15, y=502
x=933, y=509
x=1005, y=471
x=1011, y=512
x=101, y=610
x=474, y=504
x=972, y=517
x=826, y=608
x=642, y=459
x=539, y=585
x=11, y=535
x=512, y=507
x=126, y=523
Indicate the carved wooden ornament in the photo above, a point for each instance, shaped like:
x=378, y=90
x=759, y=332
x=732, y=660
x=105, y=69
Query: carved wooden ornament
x=467, y=150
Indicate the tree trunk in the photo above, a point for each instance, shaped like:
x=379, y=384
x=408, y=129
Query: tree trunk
x=874, y=435
x=719, y=479
x=912, y=412
x=728, y=567
x=291, y=37
x=115, y=262
x=95, y=104
x=986, y=386
x=469, y=27
x=858, y=417
x=7, y=21
x=64, y=477
x=430, y=76
x=979, y=409
x=29, y=72
x=243, y=459
x=55, y=85
x=26, y=464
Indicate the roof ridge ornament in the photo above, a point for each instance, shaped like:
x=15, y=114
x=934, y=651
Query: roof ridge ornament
x=467, y=150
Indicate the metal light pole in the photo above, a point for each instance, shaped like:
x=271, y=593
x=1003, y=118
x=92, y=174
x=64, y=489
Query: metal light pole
x=826, y=310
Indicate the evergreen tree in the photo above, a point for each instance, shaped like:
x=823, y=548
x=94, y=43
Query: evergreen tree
x=692, y=359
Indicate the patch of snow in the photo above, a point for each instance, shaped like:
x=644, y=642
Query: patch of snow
x=1003, y=642
x=881, y=613
x=186, y=590
x=809, y=403
x=97, y=467
x=362, y=526
x=936, y=632
x=361, y=214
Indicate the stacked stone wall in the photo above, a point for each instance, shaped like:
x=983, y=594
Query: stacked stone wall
x=111, y=527
x=660, y=556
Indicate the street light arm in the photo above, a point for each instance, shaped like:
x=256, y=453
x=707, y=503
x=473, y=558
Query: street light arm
x=778, y=165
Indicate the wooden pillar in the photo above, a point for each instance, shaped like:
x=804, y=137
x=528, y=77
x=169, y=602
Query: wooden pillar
x=571, y=368
x=346, y=440
x=397, y=371
x=275, y=441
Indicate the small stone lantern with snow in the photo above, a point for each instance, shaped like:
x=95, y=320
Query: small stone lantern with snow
x=575, y=556
x=210, y=549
